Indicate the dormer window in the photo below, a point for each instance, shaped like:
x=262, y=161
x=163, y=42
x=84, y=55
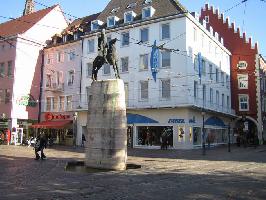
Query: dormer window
x=131, y=5
x=64, y=38
x=147, y=12
x=148, y=1
x=111, y=21
x=129, y=16
x=75, y=36
x=95, y=25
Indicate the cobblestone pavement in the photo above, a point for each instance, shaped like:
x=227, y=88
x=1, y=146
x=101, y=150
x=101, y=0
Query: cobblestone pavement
x=171, y=174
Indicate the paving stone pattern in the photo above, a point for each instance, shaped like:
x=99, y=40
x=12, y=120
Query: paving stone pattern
x=165, y=174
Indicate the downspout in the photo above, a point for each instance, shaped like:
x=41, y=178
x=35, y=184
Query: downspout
x=41, y=87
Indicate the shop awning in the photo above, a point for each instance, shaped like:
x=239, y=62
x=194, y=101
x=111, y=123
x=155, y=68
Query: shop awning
x=139, y=119
x=53, y=124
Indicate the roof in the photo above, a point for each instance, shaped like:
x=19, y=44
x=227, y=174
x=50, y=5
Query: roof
x=82, y=23
x=163, y=8
x=24, y=23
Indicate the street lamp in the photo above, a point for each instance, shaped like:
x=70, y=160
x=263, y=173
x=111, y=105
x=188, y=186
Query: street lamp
x=203, y=133
x=75, y=115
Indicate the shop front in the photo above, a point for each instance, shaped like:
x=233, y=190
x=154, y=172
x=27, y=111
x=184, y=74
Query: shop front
x=58, y=128
x=181, y=128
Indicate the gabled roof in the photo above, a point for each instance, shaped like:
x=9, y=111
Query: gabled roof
x=162, y=7
x=24, y=23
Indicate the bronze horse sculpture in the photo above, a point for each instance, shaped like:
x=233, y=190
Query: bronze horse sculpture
x=111, y=58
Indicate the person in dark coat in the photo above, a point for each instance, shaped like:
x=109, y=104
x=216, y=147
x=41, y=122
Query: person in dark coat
x=40, y=144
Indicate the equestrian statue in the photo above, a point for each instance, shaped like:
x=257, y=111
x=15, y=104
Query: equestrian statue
x=106, y=55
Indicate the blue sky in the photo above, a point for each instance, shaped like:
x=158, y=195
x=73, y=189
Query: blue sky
x=249, y=16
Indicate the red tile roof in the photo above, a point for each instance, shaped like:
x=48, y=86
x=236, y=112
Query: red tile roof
x=24, y=23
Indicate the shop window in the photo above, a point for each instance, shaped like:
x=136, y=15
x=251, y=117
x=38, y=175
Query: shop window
x=181, y=134
x=155, y=135
x=196, y=136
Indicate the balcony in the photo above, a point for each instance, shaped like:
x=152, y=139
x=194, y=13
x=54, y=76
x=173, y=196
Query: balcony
x=54, y=87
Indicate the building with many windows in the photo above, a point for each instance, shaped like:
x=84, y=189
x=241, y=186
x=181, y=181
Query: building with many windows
x=21, y=44
x=187, y=89
x=247, y=74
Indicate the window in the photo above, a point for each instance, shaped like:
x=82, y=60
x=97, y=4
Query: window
x=126, y=92
x=61, y=103
x=227, y=102
x=125, y=39
x=129, y=16
x=203, y=67
x=217, y=75
x=165, y=31
x=165, y=88
x=144, y=88
x=48, y=104
x=7, y=95
x=222, y=100
x=54, y=104
x=95, y=25
x=147, y=12
x=2, y=69
x=9, y=69
x=89, y=69
x=144, y=35
x=242, y=64
x=196, y=63
x=64, y=38
x=48, y=80
x=2, y=96
x=242, y=81
x=110, y=21
x=72, y=55
x=59, y=78
x=243, y=102
x=204, y=94
x=70, y=78
x=227, y=81
x=49, y=59
x=211, y=96
x=69, y=103
x=76, y=36
x=195, y=89
x=144, y=62
x=124, y=64
x=217, y=98
x=90, y=47
x=195, y=34
x=222, y=78
x=166, y=59
x=210, y=72
x=60, y=57
x=106, y=69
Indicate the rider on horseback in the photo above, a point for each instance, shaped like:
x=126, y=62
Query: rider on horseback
x=102, y=45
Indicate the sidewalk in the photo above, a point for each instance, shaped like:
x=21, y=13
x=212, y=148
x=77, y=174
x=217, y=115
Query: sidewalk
x=171, y=174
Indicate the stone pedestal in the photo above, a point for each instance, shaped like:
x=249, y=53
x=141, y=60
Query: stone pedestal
x=106, y=140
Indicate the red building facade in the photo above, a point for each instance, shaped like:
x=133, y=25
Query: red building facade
x=247, y=95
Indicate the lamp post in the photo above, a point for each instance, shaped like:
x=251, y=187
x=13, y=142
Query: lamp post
x=75, y=115
x=203, y=133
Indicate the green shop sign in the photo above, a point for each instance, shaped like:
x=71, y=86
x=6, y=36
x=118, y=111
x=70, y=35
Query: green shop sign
x=27, y=100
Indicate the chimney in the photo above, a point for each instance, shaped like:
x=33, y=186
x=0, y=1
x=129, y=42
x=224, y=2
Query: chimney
x=29, y=7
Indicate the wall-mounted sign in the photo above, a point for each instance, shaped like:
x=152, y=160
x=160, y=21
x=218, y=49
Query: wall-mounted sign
x=51, y=116
x=27, y=100
x=242, y=64
x=154, y=60
x=176, y=121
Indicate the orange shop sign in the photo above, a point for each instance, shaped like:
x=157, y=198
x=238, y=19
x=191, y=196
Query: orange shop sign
x=51, y=116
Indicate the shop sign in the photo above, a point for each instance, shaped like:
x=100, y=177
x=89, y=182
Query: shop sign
x=176, y=121
x=27, y=100
x=192, y=121
x=51, y=116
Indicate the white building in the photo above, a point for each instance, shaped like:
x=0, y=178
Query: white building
x=182, y=97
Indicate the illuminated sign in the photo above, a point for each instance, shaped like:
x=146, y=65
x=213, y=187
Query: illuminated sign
x=51, y=116
x=27, y=100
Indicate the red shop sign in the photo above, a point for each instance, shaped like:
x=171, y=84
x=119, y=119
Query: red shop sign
x=51, y=116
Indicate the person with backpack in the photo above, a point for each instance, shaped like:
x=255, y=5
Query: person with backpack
x=40, y=144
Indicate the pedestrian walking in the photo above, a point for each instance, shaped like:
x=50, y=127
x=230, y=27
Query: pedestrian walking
x=40, y=144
